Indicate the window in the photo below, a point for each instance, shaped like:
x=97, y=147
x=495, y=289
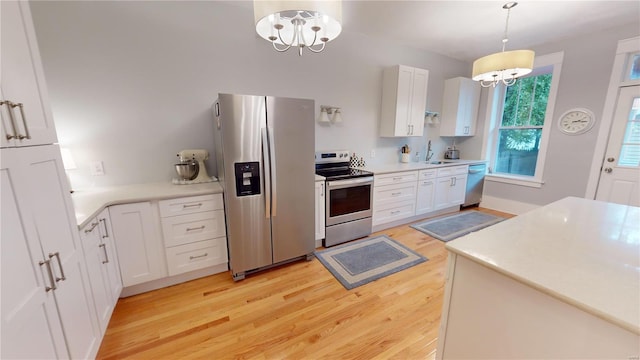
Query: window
x=521, y=117
x=520, y=130
x=630, y=150
x=634, y=72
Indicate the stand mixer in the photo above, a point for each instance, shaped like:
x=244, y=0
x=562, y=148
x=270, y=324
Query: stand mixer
x=199, y=155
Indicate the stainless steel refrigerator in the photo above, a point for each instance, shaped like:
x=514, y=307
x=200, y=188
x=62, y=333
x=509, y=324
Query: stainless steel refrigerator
x=264, y=149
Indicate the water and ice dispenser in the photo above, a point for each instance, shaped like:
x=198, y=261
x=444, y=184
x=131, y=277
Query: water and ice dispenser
x=247, y=178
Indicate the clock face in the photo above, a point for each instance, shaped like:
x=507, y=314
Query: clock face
x=576, y=121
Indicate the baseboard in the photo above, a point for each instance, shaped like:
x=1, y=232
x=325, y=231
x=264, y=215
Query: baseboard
x=173, y=280
x=506, y=205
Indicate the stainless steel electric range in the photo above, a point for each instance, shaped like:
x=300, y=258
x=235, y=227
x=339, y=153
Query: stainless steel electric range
x=349, y=197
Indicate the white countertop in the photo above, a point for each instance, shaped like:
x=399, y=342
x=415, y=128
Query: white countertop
x=411, y=166
x=88, y=203
x=583, y=252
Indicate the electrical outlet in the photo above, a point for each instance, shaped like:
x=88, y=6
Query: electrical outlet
x=373, y=153
x=97, y=169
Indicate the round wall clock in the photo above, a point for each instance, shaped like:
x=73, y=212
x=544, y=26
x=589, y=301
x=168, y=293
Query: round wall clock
x=576, y=121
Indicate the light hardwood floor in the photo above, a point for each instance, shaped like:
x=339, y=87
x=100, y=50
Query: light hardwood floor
x=297, y=311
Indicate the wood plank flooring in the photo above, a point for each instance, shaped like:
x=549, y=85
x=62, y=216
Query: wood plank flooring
x=297, y=311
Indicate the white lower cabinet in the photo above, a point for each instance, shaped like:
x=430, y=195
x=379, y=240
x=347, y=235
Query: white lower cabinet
x=47, y=307
x=194, y=232
x=426, y=191
x=451, y=183
x=320, y=210
x=102, y=266
x=394, y=196
x=140, y=249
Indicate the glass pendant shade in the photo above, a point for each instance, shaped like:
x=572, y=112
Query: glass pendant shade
x=323, y=118
x=302, y=24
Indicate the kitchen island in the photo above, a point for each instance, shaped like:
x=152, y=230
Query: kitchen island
x=561, y=281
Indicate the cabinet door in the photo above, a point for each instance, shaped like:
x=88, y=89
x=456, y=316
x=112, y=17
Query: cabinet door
x=94, y=255
x=139, y=245
x=418, y=101
x=424, y=201
x=30, y=325
x=23, y=79
x=457, y=191
x=54, y=218
x=111, y=264
x=441, y=196
x=320, y=215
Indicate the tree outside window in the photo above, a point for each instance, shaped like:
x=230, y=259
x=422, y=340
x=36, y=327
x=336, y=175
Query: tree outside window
x=520, y=130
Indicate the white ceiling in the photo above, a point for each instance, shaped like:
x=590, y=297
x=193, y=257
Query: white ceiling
x=467, y=30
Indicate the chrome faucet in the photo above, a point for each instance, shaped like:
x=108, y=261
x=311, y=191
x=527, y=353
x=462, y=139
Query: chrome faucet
x=429, y=152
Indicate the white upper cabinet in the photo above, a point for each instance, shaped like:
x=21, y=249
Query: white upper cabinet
x=404, y=99
x=25, y=110
x=460, y=107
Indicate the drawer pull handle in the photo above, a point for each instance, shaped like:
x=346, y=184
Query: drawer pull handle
x=196, y=228
x=191, y=205
x=397, y=178
x=395, y=212
x=396, y=193
x=199, y=256
x=93, y=226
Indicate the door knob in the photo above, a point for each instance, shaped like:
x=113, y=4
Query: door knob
x=608, y=170
x=611, y=159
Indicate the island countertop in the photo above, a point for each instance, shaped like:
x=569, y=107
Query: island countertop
x=583, y=252
x=88, y=203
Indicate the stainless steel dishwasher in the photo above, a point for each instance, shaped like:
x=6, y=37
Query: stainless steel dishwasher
x=475, y=183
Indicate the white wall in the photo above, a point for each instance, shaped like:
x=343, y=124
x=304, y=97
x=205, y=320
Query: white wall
x=584, y=81
x=131, y=83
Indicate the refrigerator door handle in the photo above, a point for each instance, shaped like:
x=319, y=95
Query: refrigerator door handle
x=272, y=162
x=267, y=177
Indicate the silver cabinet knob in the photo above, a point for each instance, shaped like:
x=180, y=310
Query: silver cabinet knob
x=608, y=170
x=611, y=159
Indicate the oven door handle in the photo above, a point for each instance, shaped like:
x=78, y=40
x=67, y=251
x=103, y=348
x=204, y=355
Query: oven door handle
x=336, y=183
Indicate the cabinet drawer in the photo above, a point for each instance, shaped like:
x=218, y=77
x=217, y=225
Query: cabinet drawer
x=427, y=174
x=198, y=255
x=453, y=170
x=190, y=205
x=395, y=178
x=190, y=228
x=394, y=193
x=392, y=212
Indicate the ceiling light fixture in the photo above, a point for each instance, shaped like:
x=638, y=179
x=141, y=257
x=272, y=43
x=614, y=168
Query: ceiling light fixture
x=301, y=24
x=503, y=67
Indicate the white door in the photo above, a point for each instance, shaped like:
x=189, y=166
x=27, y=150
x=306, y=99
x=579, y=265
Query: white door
x=54, y=217
x=620, y=173
x=30, y=325
x=23, y=84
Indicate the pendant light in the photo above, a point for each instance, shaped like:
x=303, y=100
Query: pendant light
x=506, y=66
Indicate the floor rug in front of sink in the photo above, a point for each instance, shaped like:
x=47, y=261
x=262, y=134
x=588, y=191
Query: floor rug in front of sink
x=453, y=226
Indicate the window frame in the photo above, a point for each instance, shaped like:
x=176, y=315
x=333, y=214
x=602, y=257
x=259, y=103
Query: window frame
x=494, y=115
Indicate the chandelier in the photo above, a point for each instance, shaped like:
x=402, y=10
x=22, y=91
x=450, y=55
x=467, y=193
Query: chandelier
x=503, y=67
x=301, y=24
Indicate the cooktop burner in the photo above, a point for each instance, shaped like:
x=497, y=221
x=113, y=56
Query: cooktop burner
x=342, y=173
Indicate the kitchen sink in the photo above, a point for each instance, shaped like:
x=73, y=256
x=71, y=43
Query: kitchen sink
x=440, y=162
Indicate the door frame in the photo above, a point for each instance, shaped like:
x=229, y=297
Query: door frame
x=618, y=80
